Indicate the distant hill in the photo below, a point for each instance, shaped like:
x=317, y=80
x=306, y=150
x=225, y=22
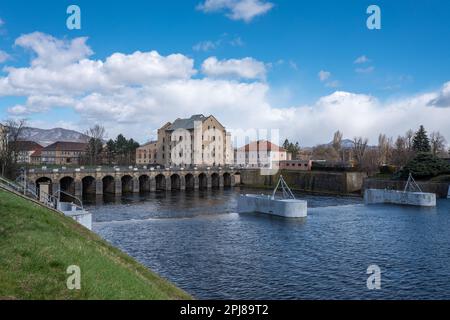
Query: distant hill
x=48, y=136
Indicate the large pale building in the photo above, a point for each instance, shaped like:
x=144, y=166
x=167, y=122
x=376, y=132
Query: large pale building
x=261, y=154
x=196, y=141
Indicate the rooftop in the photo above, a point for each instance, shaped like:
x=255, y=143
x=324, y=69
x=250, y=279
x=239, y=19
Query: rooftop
x=187, y=123
x=66, y=146
x=261, y=145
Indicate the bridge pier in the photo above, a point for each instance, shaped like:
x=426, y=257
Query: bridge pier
x=182, y=183
x=136, y=186
x=118, y=187
x=196, y=182
x=152, y=184
x=78, y=188
x=221, y=181
x=168, y=183
x=99, y=186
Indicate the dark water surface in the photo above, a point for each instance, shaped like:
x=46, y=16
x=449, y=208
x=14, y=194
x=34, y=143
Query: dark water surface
x=196, y=240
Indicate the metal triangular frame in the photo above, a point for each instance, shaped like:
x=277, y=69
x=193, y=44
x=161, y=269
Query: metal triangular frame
x=287, y=193
x=411, y=185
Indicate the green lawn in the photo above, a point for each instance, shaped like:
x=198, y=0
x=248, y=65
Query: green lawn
x=37, y=245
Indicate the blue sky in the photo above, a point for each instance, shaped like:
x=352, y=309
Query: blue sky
x=295, y=40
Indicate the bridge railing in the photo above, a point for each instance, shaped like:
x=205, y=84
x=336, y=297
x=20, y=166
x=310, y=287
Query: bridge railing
x=82, y=169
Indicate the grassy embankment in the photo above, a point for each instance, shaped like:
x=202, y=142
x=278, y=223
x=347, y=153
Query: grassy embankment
x=37, y=245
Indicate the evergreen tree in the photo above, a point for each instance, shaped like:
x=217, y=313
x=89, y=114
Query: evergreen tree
x=421, y=143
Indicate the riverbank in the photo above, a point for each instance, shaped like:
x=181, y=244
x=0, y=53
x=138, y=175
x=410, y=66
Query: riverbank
x=38, y=245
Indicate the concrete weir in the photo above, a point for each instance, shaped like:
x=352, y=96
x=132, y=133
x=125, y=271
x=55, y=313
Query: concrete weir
x=422, y=199
x=287, y=208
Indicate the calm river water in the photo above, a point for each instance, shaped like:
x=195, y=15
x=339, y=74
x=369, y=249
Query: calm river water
x=199, y=242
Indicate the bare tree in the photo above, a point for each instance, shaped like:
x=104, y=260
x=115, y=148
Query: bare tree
x=95, y=146
x=409, y=136
x=438, y=143
x=359, y=148
x=10, y=132
x=384, y=149
x=337, y=143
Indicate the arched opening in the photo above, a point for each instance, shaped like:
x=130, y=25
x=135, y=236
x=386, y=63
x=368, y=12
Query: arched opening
x=67, y=186
x=46, y=181
x=89, y=185
x=175, y=182
x=202, y=181
x=160, y=182
x=144, y=183
x=215, y=181
x=127, y=184
x=109, y=185
x=226, y=180
x=190, y=181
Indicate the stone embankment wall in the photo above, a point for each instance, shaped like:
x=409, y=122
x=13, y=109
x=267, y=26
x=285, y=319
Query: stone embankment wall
x=309, y=181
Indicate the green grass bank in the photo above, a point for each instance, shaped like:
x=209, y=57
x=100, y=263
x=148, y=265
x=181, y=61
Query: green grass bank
x=37, y=245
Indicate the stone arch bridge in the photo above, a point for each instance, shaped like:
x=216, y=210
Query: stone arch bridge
x=116, y=181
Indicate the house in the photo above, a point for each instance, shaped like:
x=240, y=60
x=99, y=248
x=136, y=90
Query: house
x=198, y=140
x=147, y=153
x=261, y=154
x=26, y=149
x=62, y=153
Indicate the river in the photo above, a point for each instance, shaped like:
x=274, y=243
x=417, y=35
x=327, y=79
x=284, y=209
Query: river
x=198, y=241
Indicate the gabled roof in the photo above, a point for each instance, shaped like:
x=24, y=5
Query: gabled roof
x=187, y=124
x=261, y=145
x=23, y=145
x=66, y=146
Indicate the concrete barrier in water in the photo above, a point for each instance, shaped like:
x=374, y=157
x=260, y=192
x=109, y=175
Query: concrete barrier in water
x=376, y=196
x=288, y=208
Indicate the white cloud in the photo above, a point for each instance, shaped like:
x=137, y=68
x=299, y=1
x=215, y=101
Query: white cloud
x=3, y=56
x=245, y=10
x=205, y=46
x=135, y=94
x=365, y=70
x=2, y=22
x=361, y=59
x=324, y=75
x=52, y=52
x=247, y=68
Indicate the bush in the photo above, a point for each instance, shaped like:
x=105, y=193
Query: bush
x=388, y=169
x=424, y=165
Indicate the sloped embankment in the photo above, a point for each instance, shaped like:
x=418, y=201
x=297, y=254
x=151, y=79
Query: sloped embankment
x=37, y=245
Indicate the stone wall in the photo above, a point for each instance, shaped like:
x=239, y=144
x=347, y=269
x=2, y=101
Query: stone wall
x=311, y=181
x=440, y=188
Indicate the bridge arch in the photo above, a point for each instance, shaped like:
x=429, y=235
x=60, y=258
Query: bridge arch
x=144, y=183
x=202, y=181
x=160, y=182
x=227, y=180
x=237, y=178
x=190, y=181
x=175, y=182
x=109, y=184
x=67, y=184
x=89, y=185
x=127, y=184
x=215, y=180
